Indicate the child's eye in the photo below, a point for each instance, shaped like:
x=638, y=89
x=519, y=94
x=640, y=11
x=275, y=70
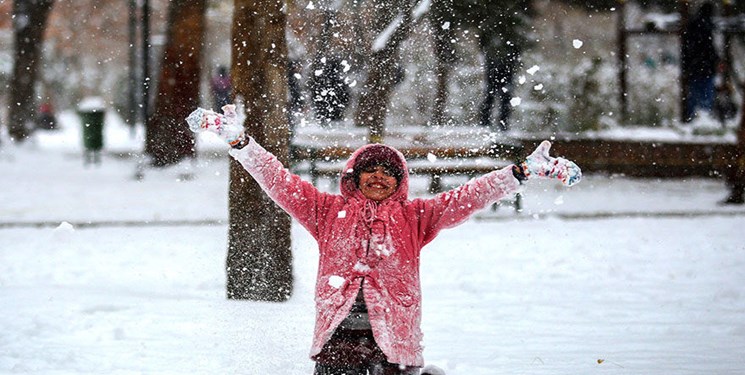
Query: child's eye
x=387, y=172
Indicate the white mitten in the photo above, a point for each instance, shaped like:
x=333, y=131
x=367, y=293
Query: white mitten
x=225, y=125
x=540, y=164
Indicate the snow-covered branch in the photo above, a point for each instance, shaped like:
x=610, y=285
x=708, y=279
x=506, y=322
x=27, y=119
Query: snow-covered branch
x=382, y=40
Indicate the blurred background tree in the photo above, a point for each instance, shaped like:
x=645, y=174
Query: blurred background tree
x=29, y=23
x=168, y=138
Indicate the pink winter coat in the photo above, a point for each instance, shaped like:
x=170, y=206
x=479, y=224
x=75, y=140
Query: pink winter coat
x=379, y=243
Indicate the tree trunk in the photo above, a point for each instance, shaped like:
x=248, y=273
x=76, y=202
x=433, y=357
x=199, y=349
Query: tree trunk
x=259, y=261
x=442, y=21
x=29, y=23
x=382, y=75
x=168, y=137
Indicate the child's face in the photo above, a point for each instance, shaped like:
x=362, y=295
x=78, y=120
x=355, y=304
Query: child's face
x=377, y=183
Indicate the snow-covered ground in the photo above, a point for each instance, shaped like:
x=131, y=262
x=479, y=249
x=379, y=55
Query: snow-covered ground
x=101, y=273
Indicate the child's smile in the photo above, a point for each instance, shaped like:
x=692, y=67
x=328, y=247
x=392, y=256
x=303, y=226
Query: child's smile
x=377, y=183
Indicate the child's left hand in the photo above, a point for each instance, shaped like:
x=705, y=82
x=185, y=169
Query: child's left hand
x=541, y=165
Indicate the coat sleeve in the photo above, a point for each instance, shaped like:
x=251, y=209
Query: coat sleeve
x=451, y=208
x=297, y=197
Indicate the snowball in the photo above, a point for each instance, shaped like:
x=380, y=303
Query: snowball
x=63, y=233
x=533, y=69
x=318, y=72
x=521, y=80
x=577, y=43
x=346, y=65
x=64, y=227
x=446, y=25
x=310, y=6
x=538, y=87
x=342, y=214
x=515, y=101
x=336, y=281
x=431, y=157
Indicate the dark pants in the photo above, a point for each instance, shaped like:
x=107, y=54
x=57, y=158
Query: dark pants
x=379, y=369
x=499, y=85
x=354, y=352
x=700, y=95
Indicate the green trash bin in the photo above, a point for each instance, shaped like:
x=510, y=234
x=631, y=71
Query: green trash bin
x=92, y=111
x=92, y=129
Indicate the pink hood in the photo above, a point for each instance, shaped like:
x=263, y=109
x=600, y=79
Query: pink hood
x=381, y=152
x=371, y=245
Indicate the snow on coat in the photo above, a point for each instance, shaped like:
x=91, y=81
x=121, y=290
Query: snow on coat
x=375, y=242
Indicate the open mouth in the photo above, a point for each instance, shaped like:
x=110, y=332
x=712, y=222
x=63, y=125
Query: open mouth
x=377, y=185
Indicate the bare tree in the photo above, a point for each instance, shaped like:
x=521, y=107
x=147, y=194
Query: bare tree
x=259, y=261
x=393, y=24
x=29, y=23
x=168, y=138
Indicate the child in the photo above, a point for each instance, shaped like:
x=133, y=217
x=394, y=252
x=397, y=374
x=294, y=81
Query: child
x=368, y=297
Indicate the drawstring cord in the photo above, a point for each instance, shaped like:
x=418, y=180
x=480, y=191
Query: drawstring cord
x=371, y=207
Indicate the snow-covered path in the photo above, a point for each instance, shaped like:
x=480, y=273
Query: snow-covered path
x=655, y=296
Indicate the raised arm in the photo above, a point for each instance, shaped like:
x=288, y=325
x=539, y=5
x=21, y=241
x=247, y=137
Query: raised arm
x=296, y=196
x=453, y=207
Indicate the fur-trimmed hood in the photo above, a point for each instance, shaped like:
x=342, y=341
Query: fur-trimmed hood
x=374, y=154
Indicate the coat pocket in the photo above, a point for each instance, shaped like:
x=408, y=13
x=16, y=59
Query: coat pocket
x=330, y=291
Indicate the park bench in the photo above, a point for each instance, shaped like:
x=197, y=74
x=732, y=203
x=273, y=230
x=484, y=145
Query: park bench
x=434, y=162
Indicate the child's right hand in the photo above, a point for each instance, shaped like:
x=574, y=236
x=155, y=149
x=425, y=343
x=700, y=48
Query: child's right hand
x=224, y=125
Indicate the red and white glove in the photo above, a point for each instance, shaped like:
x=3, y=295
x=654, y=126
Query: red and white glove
x=225, y=125
x=541, y=165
